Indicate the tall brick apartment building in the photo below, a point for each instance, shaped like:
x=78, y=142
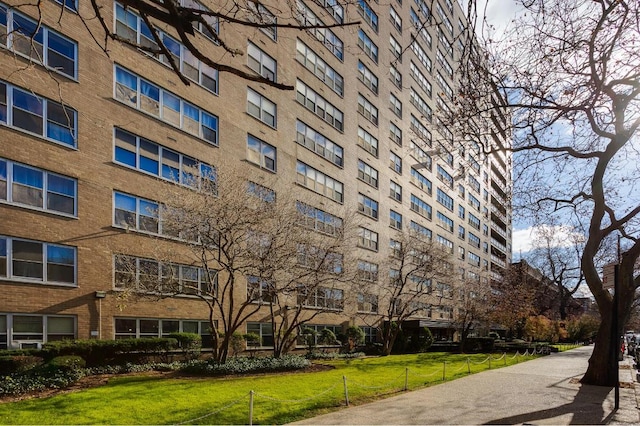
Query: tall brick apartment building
x=87, y=137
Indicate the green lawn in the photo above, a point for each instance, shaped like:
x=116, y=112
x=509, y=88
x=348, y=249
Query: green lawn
x=278, y=398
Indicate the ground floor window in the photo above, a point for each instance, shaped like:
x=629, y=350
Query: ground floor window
x=136, y=328
x=302, y=339
x=23, y=331
x=370, y=334
x=264, y=330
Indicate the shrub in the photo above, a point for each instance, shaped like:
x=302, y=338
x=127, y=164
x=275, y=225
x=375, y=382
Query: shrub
x=18, y=363
x=327, y=337
x=354, y=336
x=478, y=344
x=38, y=380
x=244, y=365
x=190, y=344
x=101, y=352
x=67, y=362
x=334, y=355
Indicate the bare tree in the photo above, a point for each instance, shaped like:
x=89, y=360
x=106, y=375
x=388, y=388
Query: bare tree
x=416, y=265
x=194, y=24
x=564, y=82
x=473, y=305
x=511, y=301
x=557, y=257
x=246, y=248
x=301, y=267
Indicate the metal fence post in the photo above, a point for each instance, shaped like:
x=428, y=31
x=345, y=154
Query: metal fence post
x=444, y=370
x=406, y=379
x=346, y=390
x=250, y=408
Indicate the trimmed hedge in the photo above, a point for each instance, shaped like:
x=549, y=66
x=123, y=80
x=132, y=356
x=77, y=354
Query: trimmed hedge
x=244, y=365
x=18, y=363
x=103, y=352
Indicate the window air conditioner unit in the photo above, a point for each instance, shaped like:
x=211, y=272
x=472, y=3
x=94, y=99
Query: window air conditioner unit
x=27, y=344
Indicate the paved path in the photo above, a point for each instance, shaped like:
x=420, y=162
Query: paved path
x=540, y=391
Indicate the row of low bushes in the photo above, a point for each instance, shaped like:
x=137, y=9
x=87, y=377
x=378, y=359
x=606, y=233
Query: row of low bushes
x=63, y=371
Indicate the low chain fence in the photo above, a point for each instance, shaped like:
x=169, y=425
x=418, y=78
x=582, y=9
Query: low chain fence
x=400, y=383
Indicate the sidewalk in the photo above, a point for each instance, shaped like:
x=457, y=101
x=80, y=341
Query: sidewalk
x=542, y=391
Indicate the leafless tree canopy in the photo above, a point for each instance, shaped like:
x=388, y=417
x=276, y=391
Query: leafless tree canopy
x=565, y=83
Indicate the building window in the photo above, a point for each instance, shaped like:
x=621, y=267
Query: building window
x=420, y=207
x=367, y=271
x=23, y=110
x=444, y=63
x=367, y=141
x=321, y=297
x=445, y=243
x=324, y=35
x=420, y=104
x=260, y=290
x=474, y=240
x=422, y=230
x=461, y=232
x=420, y=130
x=138, y=214
x=396, y=49
x=474, y=202
x=395, y=162
x=461, y=212
x=26, y=331
x=261, y=192
x=31, y=187
x=396, y=20
x=395, y=191
x=261, y=108
x=130, y=26
x=148, y=157
x=367, y=109
x=318, y=220
x=151, y=276
x=395, y=105
x=422, y=81
x=318, y=143
x=445, y=222
x=367, y=206
x=418, y=24
x=419, y=180
x=395, y=220
x=367, y=303
x=444, y=199
x=264, y=331
x=367, y=46
x=318, y=182
x=144, y=96
x=396, y=76
x=261, y=153
x=367, y=77
x=312, y=257
x=367, y=174
x=395, y=247
x=395, y=134
x=38, y=42
x=319, y=68
x=474, y=259
x=444, y=176
x=136, y=328
x=71, y=4
x=421, y=54
x=319, y=106
x=368, y=14
x=34, y=261
x=259, y=14
x=334, y=8
x=367, y=239
x=474, y=221
x=261, y=63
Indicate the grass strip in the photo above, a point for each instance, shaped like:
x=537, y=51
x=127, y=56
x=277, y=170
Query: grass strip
x=278, y=398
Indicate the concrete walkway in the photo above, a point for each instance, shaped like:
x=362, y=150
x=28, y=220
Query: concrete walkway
x=541, y=391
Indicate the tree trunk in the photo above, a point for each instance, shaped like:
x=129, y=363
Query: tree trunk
x=602, y=364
